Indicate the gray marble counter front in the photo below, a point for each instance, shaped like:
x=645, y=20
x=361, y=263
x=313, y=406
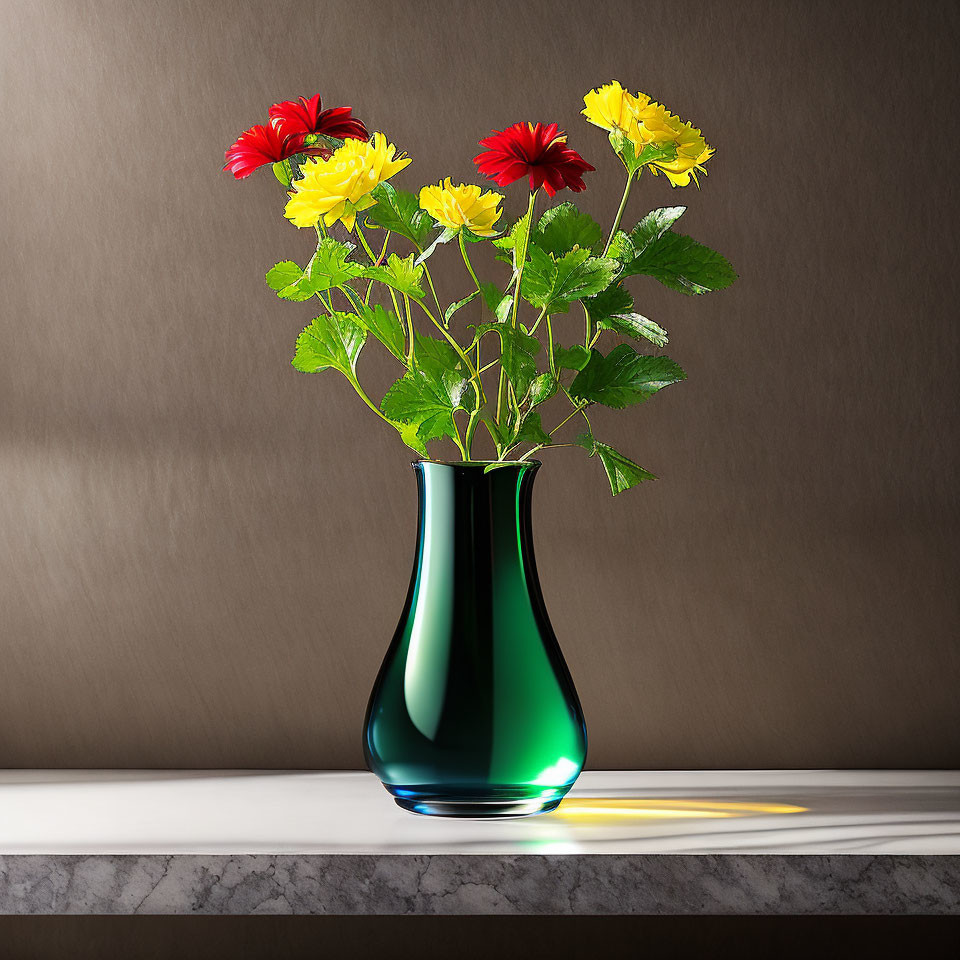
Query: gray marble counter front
x=247, y=842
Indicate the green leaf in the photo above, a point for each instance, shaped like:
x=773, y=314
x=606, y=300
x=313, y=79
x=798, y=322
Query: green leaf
x=456, y=305
x=436, y=356
x=554, y=284
x=531, y=430
x=621, y=248
x=507, y=244
x=652, y=227
x=330, y=267
x=564, y=227
x=330, y=341
x=444, y=236
x=400, y=212
x=615, y=299
x=576, y=358
x=636, y=326
x=281, y=170
x=429, y=401
x=400, y=273
x=385, y=325
x=543, y=387
x=624, y=377
x=408, y=434
x=282, y=275
x=498, y=303
x=518, y=353
x=682, y=264
x=622, y=473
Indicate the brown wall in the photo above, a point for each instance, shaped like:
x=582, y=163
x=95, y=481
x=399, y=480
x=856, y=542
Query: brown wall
x=203, y=553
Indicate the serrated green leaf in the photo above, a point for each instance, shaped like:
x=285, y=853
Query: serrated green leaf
x=563, y=227
x=553, y=284
x=624, y=377
x=543, y=387
x=621, y=248
x=652, y=227
x=682, y=264
x=531, y=430
x=408, y=434
x=507, y=244
x=576, y=358
x=330, y=341
x=456, y=305
x=283, y=274
x=429, y=401
x=400, y=212
x=330, y=266
x=615, y=299
x=518, y=353
x=622, y=473
x=436, y=356
x=636, y=326
x=385, y=325
x=400, y=273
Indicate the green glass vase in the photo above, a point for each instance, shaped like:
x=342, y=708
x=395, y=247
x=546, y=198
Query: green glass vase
x=474, y=713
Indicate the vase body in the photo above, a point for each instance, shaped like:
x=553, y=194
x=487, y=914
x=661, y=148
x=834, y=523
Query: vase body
x=474, y=712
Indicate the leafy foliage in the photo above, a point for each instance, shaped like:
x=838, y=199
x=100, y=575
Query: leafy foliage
x=622, y=473
x=400, y=273
x=623, y=377
x=519, y=353
x=562, y=267
x=553, y=284
x=457, y=304
x=330, y=341
x=399, y=212
x=564, y=227
x=576, y=358
x=615, y=299
x=385, y=325
x=531, y=430
x=682, y=264
x=637, y=326
x=428, y=399
x=507, y=244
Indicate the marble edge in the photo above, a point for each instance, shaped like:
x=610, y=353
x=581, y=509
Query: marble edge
x=463, y=884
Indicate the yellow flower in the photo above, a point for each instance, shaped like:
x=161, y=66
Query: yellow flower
x=692, y=153
x=338, y=187
x=462, y=206
x=647, y=123
x=611, y=107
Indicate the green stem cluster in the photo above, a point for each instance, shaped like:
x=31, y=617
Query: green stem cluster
x=507, y=421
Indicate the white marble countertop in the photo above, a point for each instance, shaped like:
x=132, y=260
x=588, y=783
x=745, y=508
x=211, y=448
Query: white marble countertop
x=624, y=842
x=776, y=812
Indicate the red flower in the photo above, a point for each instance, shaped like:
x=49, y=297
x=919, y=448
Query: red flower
x=304, y=116
x=534, y=149
x=265, y=144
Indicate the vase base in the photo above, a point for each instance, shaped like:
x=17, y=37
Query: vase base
x=479, y=809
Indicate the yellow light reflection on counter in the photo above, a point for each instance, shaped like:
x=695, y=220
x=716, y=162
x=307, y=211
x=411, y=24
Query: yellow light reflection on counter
x=609, y=810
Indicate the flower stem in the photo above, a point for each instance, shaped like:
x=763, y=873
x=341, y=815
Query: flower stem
x=474, y=374
x=356, y=386
x=466, y=260
x=619, y=216
x=520, y=259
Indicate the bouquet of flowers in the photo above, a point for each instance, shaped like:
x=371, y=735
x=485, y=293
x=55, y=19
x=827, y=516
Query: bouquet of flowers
x=520, y=349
